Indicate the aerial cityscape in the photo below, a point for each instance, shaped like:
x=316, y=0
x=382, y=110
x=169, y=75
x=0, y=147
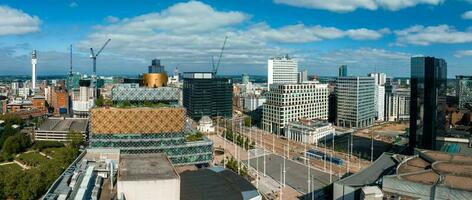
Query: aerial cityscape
x=229, y=100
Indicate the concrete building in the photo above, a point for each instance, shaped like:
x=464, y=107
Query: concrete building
x=147, y=176
x=397, y=105
x=428, y=101
x=205, y=94
x=282, y=70
x=58, y=100
x=379, y=96
x=245, y=78
x=82, y=99
x=302, y=76
x=290, y=102
x=253, y=101
x=355, y=97
x=464, y=91
x=57, y=129
x=309, y=131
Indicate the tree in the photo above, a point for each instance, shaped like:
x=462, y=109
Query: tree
x=75, y=139
x=16, y=143
x=100, y=101
x=247, y=121
x=126, y=104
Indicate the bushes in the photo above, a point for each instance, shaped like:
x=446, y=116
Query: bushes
x=40, y=145
x=16, y=144
x=240, y=140
x=194, y=137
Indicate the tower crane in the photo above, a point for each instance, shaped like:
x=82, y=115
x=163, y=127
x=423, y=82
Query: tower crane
x=215, y=67
x=94, y=59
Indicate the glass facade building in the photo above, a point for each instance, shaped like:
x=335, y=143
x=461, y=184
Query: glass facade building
x=207, y=95
x=355, y=101
x=342, y=71
x=428, y=101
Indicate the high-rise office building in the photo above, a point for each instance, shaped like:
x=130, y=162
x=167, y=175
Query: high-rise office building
x=244, y=78
x=397, y=105
x=282, y=70
x=379, y=98
x=302, y=76
x=464, y=91
x=207, y=95
x=342, y=71
x=355, y=97
x=290, y=102
x=428, y=101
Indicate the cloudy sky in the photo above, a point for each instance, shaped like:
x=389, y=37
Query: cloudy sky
x=367, y=35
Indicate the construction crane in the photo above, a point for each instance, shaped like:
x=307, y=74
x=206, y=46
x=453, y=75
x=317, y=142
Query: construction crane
x=94, y=59
x=215, y=67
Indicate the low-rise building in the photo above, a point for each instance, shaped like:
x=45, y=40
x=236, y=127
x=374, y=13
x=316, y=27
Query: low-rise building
x=309, y=131
x=57, y=129
x=205, y=125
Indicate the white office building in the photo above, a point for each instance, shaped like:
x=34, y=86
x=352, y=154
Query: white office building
x=397, y=105
x=282, y=70
x=355, y=101
x=309, y=131
x=82, y=101
x=379, y=98
x=253, y=101
x=290, y=102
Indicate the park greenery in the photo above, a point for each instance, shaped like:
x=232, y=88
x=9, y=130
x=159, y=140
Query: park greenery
x=232, y=164
x=240, y=140
x=43, y=161
x=194, y=137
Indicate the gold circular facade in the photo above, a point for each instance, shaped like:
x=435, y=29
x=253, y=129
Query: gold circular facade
x=154, y=80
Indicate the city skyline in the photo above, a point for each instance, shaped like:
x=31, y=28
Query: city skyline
x=320, y=35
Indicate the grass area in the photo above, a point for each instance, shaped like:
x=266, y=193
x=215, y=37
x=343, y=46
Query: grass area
x=194, y=137
x=53, y=151
x=10, y=168
x=32, y=159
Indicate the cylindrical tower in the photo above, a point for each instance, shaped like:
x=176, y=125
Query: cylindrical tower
x=34, y=61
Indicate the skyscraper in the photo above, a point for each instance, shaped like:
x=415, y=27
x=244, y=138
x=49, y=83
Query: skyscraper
x=282, y=70
x=428, y=101
x=379, y=100
x=342, y=71
x=34, y=61
x=355, y=97
x=464, y=91
x=207, y=95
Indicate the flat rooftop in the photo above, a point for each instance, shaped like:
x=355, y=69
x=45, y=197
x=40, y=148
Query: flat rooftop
x=214, y=184
x=139, y=167
x=310, y=123
x=64, y=125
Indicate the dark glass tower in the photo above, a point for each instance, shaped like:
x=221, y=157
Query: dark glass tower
x=342, y=71
x=428, y=101
x=204, y=94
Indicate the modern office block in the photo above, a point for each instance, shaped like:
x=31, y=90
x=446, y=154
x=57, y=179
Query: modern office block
x=302, y=76
x=464, y=91
x=428, y=101
x=290, y=102
x=342, y=71
x=282, y=70
x=205, y=94
x=397, y=105
x=379, y=98
x=355, y=101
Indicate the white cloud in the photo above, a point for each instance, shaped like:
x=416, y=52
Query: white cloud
x=16, y=22
x=463, y=53
x=111, y=19
x=421, y=35
x=73, y=4
x=351, y=5
x=467, y=15
x=190, y=33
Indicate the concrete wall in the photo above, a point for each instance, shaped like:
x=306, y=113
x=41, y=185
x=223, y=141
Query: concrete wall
x=165, y=189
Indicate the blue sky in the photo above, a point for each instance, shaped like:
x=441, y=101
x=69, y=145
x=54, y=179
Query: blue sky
x=367, y=35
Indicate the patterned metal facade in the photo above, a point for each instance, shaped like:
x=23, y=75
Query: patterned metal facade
x=137, y=120
x=168, y=94
x=148, y=130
